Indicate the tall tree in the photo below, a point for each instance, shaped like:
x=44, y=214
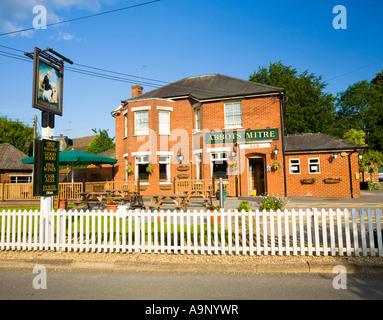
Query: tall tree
x=102, y=143
x=15, y=133
x=309, y=108
x=361, y=107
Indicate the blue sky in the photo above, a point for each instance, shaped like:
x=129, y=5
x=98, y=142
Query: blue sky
x=175, y=39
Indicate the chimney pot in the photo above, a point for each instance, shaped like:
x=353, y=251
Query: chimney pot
x=136, y=90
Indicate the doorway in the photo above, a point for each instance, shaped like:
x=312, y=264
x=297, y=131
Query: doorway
x=257, y=175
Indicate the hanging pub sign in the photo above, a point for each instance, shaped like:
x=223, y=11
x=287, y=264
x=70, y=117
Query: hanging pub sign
x=244, y=136
x=46, y=168
x=47, y=82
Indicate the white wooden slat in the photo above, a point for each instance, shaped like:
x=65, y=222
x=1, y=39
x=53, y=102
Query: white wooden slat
x=347, y=232
x=236, y=232
x=357, y=250
x=244, y=233
x=208, y=231
x=316, y=233
x=182, y=234
x=223, y=240
x=279, y=230
x=202, y=232
x=272, y=233
x=340, y=233
x=363, y=232
x=188, y=232
x=294, y=231
x=301, y=233
x=195, y=228
x=287, y=232
x=251, y=235
x=229, y=232
x=309, y=232
x=258, y=232
x=379, y=232
x=332, y=232
x=324, y=232
x=265, y=229
x=371, y=232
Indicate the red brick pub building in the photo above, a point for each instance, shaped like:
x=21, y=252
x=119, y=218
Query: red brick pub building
x=200, y=128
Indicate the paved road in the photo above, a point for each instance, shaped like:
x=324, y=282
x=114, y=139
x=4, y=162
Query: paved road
x=80, y=285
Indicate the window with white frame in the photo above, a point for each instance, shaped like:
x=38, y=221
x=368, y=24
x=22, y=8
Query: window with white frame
x=197, y=112
x=21, y=179
x=164, y=164
x=163, y=122
x=295, y=166
x=219, y=165
x=126, y=124
x=314, y=165
x=141, y=122
x=141, y=164
x=233, y=115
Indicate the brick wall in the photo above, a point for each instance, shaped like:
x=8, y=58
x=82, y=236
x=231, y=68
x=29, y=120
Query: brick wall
x=329, y=167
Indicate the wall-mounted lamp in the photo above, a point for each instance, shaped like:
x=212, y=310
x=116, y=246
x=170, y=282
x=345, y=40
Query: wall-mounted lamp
x=360, y=156
x=276, y=150
x=335, y=155
x=180, y=157
x=233, y=153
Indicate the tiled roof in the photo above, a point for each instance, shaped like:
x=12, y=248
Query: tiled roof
x=317, y=142
x=208, y=87
x=10, y=158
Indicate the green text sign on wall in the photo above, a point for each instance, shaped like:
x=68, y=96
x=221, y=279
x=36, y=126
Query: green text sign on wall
x=46, y=168
x=242, y=136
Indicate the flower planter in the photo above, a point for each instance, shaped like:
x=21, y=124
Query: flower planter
x=223, y=194
x=183, y=168
x=166, y=187
x=308, y=181
x=212, y=218
x=331, y=181
x=183, y=175
x=63, y=205
x=111, y=207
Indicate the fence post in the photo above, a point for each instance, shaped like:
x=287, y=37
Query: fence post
x=174, y=185
x=3, y=191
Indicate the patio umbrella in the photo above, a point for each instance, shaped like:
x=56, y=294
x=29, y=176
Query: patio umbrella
x=75, y=158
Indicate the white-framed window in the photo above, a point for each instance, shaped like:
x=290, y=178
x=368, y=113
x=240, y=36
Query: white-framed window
x=197, y=112
x=164, y=167
x=314, y=165
x=233, y=115
x=141, y=164
x=198, y=166
x=219, y=164
x=126, y=124
x=21, y=179
x=141, y=122
x=163, y=122
x=295, y=166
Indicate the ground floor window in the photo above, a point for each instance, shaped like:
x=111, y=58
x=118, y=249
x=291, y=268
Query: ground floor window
x=164, y=162
x=295, y=166
x=21, y=179
x=314, y=165
x=141, y=165
x=219, y=165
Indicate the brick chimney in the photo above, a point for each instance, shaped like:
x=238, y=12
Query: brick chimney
x=136, y=90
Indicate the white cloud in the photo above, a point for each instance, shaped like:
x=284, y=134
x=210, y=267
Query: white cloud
x=17, y=14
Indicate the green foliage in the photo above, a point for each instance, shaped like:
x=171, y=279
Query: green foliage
x=244, y=205
x=355, y=136
x=374, y=186
x=273, y=203
x=102, y=143
x=361, y=107
x=15, y=133
x=309, y=108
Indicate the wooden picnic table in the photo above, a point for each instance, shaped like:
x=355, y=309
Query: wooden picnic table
x=204, y=194
x=118, y=194
x=178, y=201
x=95, y=197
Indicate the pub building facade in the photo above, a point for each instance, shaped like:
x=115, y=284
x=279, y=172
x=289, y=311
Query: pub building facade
x=205, y=127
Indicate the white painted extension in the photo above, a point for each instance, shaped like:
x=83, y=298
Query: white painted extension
x=304, y=232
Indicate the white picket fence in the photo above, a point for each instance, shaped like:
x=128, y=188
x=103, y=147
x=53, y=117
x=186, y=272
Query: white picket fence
x=304, y=232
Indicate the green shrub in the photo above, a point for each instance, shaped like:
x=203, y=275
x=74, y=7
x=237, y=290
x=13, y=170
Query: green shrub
x=374, y=186
x=273, y=203
x=244, y=205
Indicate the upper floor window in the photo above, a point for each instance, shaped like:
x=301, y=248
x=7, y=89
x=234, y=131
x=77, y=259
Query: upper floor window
x=197, y=119
x=141, y=122
x=163, y=122
x=233, y=115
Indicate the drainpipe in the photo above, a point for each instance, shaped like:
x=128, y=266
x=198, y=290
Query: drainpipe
x=350, y=172
x=283, y=99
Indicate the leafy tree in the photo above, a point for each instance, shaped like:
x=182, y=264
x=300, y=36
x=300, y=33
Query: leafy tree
x=102, y=143
x=355, y=136
x=15, y=133
x=361, y=107
x=309, y=108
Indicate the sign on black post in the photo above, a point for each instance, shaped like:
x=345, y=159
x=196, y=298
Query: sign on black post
x=46, y=168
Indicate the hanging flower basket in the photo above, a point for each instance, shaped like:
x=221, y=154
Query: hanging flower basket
x=183, y=168
x=129, y=170
x=149, y=169
x=183, y=175
x=308, y=180
x=332, y=180
x=276, y=165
